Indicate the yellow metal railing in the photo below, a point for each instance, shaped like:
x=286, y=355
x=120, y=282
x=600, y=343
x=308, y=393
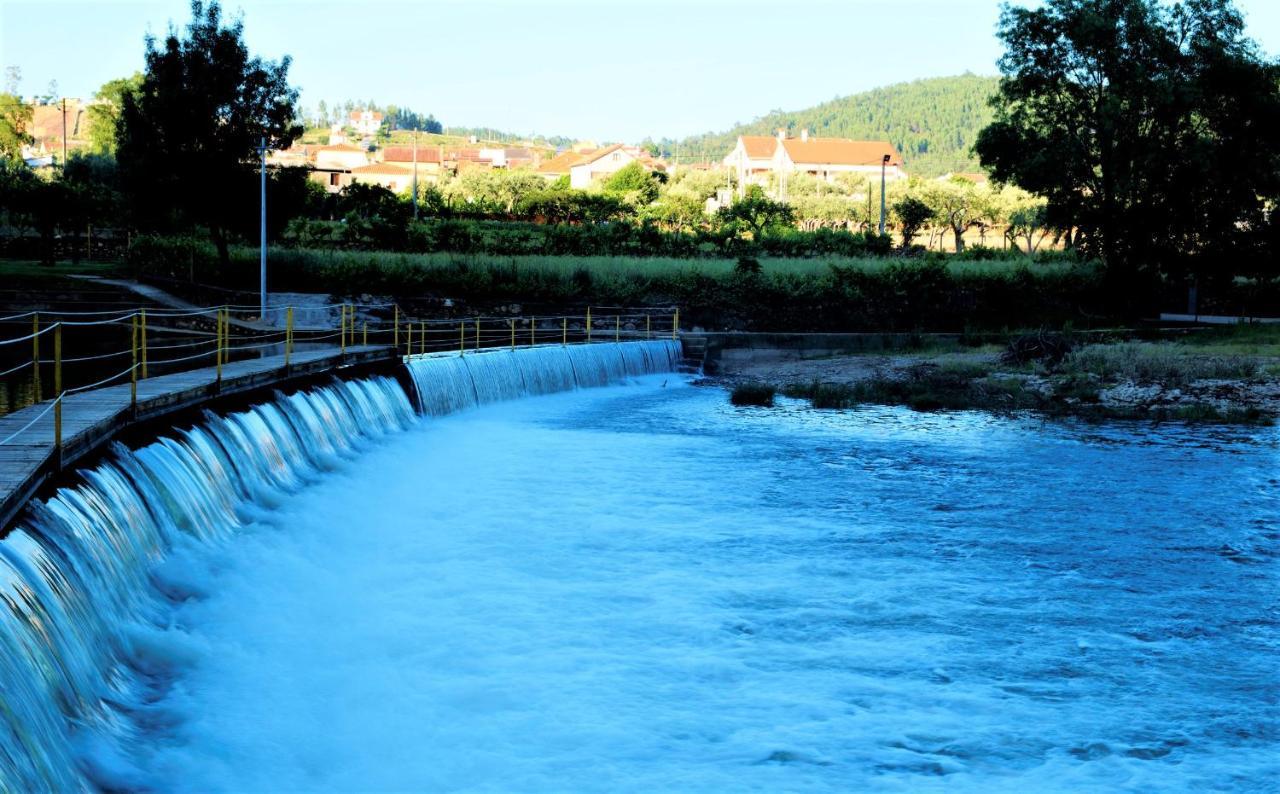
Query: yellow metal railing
x=255, y=336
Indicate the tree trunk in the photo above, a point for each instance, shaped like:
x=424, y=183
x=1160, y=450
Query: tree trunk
x=959, y=230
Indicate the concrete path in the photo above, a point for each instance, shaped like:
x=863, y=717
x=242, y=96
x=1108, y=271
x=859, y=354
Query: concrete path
x=91, y=419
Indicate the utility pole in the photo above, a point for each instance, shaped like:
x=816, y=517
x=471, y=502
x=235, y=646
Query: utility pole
x=262, y=256
x=883, y=165
x=64, y=133
x=415, y=173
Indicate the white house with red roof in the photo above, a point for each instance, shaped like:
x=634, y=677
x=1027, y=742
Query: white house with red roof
x=756, y=156
x=365, y=122
x=600, y=163
x=393, y=177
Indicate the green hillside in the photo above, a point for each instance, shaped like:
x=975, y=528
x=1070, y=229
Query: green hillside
x=932, y=122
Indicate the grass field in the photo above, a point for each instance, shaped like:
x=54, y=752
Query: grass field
x=631, y=265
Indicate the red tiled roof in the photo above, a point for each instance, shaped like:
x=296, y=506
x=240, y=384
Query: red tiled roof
x=759, y=147
x=840, y=151
x=338, y=147
x=404, y=154
x=382, y=169
x=561, y=163
x=598, y=154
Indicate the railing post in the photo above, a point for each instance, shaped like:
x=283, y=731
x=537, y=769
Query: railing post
x=462, y=338
x=35, y=356
x=288, y=334
x=513, y=332
x=617, y=328
x=422, y=341
x=588, y=323
x=477, y=333
x=395, y=339
x=648, y=329
x=564, y=331
x=218, y=345
x=675, y=324
x=142, y=323
x=133, y=371
x=342, y=332
x=533, y=332
x=364, y=333
x=57, y=390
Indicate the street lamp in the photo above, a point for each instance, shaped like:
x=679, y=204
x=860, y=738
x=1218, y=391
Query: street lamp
x=883, y=165
x=262, y=256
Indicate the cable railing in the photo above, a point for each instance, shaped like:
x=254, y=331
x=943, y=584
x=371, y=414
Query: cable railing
x=407, y=335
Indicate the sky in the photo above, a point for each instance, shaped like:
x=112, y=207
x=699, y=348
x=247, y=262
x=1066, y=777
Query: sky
x=608, y=71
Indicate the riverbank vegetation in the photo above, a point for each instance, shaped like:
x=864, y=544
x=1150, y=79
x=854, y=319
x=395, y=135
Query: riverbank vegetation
x=1162, y=196
x=1224, y=375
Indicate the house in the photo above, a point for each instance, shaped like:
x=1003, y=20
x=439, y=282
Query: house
x=428, y=160
x=519, y=157
x=600, y=163
x=507, y=157
x=395, y=178
x=332, y=165
x=755, y=157
x=559, y=165
x=583, y=168
x=365, y=122
x=47, y=124
x=751, y=159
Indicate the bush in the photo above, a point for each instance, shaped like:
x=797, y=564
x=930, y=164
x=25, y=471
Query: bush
x=757, y=394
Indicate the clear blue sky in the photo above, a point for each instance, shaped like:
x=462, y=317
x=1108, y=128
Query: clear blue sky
x=603, y=70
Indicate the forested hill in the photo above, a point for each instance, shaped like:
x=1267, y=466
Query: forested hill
x=933, y=122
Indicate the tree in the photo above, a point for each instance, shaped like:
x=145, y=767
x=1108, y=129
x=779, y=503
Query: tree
x=912, y=214
x=190, y=133
x=957, y=203
x=104, y=114
x=15, y=121
x=1147, y=127
x=756, y=212
x=634, y=183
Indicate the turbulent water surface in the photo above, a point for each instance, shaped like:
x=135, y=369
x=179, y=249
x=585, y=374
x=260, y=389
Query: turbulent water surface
x=643, y=588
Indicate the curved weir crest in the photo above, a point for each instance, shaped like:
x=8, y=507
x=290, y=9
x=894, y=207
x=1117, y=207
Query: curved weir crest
x=450, y=382
x=77, y=581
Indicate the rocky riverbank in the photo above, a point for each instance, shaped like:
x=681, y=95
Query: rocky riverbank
x=1208, y=380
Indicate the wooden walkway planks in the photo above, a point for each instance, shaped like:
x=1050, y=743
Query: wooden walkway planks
x=92, y=418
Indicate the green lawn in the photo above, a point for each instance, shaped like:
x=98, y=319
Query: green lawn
x=632, y=265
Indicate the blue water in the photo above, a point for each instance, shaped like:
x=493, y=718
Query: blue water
x=643, y=588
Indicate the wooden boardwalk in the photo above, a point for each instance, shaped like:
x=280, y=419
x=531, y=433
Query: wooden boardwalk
x=91, y=419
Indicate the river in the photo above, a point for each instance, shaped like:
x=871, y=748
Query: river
x=643, y=588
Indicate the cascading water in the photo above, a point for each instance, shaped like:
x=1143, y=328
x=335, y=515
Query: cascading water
x=450, y=382
x=76, y=573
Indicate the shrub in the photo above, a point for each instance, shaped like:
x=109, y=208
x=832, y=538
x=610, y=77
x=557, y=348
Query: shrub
x=757, y=394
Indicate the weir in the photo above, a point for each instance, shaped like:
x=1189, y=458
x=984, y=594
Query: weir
x=81, y=604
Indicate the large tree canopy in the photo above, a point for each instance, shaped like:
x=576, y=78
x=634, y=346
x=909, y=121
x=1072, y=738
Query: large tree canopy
x=190, y=132
x=1148, y=127
x=104, y=115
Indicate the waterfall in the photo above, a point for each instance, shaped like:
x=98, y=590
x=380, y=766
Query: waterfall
x=76, y=573
x=449, y=382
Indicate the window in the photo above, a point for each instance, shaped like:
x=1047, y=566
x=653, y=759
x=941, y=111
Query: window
x=333, y=179
x=617, y=156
